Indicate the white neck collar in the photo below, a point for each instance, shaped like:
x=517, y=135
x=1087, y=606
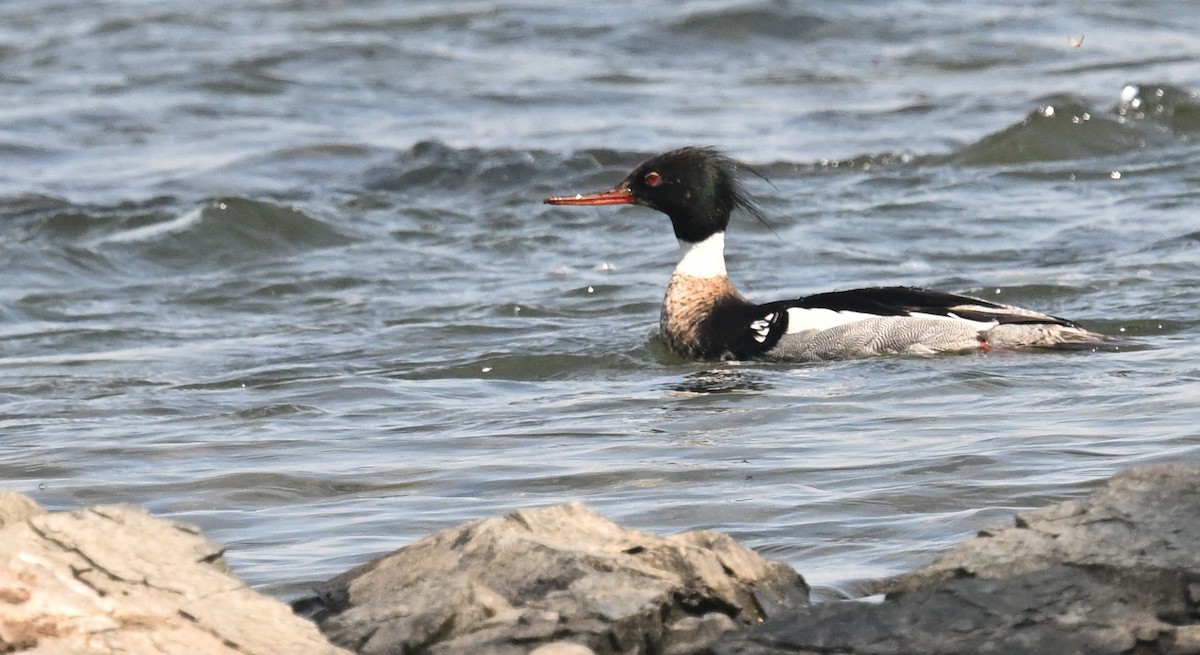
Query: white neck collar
x=702, y=259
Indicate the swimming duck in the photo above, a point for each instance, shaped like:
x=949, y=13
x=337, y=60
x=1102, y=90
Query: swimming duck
x=705, y=317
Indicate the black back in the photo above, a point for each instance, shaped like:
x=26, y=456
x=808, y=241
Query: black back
x=742, y=330
x=905, y=301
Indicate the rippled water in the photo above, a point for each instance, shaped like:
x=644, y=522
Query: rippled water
x=282, y=270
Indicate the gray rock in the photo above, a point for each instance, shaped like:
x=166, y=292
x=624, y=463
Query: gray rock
x=112, y=579
x=1060, y=610
x=558, y=574
x=1115, y=572
x=1147, y=516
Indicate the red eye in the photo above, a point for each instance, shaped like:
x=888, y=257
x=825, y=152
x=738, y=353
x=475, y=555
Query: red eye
x=653, y=179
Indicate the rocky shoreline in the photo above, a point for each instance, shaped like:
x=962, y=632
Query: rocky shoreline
x=1117, y=571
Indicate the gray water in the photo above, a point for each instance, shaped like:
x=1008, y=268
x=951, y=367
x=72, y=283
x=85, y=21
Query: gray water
x=281, y=269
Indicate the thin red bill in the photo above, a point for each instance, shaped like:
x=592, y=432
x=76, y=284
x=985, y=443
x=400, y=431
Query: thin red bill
x=619, y=196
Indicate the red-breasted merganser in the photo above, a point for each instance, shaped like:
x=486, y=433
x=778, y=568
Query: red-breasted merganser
x=704, y=316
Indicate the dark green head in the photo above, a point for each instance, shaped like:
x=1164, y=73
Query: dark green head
x=696, y=187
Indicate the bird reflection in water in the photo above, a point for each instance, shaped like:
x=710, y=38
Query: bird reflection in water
x=721, y=380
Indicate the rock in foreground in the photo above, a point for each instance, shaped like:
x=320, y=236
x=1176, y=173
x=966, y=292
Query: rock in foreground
x=1115, y=572
x=560, y=579
x=115, y=580
x=1145, y=517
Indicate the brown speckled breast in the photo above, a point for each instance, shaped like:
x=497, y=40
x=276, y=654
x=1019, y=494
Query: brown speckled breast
x=688, y=304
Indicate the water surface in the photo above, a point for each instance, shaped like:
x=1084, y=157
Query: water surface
x=281, y=269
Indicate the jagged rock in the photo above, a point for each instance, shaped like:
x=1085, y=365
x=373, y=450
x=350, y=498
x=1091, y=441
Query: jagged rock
x=1147, y=517
x=1115, y=572
x=1061, y=610
x=112, y=579
x=560, y=574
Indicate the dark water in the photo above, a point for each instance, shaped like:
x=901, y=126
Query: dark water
x=281, y=269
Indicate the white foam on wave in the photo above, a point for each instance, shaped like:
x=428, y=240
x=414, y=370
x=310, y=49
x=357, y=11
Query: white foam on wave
x=156, y=230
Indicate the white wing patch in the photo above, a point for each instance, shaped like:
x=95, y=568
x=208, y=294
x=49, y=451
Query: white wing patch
x=803, y=320
x=762, y=327
x=955, y=317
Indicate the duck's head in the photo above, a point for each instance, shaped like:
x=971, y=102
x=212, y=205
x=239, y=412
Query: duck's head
x=696, y=187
